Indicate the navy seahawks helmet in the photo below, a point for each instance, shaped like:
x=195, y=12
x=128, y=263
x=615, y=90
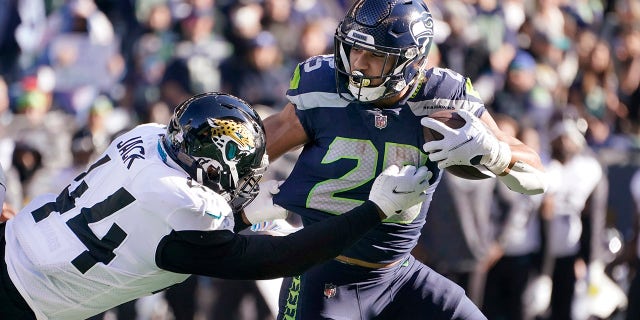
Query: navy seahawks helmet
x=399, y=30
x=219, y=140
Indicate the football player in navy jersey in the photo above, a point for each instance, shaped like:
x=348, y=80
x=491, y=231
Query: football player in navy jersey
x=356, y=112
x=163, y=202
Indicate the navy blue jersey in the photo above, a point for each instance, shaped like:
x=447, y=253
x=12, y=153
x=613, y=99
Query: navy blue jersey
x=350, y=143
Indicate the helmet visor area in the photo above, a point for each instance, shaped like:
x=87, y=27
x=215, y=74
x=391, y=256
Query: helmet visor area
x=370, y=87
x=393, y=58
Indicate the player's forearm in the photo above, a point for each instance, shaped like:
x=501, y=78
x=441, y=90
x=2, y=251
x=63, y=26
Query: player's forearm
x=525, y=173
x=225, y=255
x=517, y=165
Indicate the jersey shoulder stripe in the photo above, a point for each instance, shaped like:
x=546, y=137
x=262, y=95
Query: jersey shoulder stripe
x=313, y=84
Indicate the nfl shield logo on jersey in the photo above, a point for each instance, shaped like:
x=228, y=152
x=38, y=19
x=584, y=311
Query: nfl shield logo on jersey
x=380, y=121
x=330, y=290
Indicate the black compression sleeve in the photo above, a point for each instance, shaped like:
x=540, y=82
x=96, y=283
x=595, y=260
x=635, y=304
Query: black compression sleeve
x=239, y=222
x=223, y=254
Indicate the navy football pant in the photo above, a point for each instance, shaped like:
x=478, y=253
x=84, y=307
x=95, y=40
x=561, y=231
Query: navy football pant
x=408, y=290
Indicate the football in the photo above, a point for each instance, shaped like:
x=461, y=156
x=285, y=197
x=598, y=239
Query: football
x=453, y=120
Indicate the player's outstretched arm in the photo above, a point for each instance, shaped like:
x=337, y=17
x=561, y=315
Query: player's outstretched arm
x=480, y=139
x=224, y=254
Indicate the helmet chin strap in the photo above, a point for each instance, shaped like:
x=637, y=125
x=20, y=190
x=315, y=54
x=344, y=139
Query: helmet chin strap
x=364, y=93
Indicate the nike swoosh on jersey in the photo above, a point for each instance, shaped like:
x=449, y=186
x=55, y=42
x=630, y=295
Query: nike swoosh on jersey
x=211, y=214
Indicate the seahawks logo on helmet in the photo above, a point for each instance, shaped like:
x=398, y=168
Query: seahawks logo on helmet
x=422, y=28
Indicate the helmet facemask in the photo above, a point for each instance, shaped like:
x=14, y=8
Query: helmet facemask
x=224, y=151
x=359, y=85
x=401, y=32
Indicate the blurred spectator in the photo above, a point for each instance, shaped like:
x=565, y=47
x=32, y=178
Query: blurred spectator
x=202, y=50
x=548, y=18
x=22, y=25
x=150, y=56
x=313, y=40
x=278, y=20
x=633, y=252
x=5, y=113
x=245, y=23
x=556, y=57
x=36, y=123
x=9, y=49
x=457, y=237
x=260, y=76
x=38, y=134
x=523, y=99
x=6, y=116
x=497, y=40
x=82, y=152
x=574, y=174
x=627, y=57
x=30, y=31
x=80, y=16
x=513, y=259
x=460, y=50
x=594, y=94
x=26, y=161
x=96, y=126
x=81, y=47
x=175, y=85
x=159, y=112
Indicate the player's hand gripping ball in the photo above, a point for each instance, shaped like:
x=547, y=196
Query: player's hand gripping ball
x=453, y=120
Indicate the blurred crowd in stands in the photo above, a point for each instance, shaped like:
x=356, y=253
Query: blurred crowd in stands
x=563, y=75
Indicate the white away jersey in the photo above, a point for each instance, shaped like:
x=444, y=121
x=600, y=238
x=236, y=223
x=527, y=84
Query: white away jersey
x=93, y=246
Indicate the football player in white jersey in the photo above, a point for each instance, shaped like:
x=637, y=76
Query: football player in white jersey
x=162, y=203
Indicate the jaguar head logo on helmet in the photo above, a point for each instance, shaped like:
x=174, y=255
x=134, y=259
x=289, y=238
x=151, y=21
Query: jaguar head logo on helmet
x=218, y=139
x=399, y=31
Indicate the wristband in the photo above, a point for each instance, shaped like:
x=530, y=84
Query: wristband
x=498, y=160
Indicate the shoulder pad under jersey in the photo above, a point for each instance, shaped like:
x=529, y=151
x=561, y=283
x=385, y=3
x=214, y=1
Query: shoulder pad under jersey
x=313, y=84
x=445, y=89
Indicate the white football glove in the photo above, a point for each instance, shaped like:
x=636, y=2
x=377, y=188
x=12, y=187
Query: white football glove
x=460, y=146
x=395, y=189
x=278, y=227
x=262, y=208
